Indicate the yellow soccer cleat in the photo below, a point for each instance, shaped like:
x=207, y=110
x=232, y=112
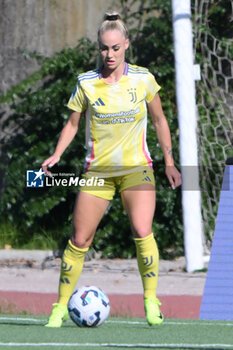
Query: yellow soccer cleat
x=59, y=314
x=153, y=313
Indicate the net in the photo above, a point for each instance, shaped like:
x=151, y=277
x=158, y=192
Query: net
x=213, y=47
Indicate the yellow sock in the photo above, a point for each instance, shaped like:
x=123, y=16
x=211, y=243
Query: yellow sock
x=71, y=268
x=148, y=263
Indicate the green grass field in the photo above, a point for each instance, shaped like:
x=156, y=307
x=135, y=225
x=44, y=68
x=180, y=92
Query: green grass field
x=27, y=332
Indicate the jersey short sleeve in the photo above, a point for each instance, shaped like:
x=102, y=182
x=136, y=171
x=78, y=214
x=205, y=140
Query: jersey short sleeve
x=77, y=101
x=152, y=87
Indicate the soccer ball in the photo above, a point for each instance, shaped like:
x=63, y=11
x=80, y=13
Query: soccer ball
x=88, y=306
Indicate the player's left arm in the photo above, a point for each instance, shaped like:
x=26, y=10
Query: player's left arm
x=163, y=133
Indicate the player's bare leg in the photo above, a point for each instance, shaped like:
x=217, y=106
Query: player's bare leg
x=139, y=202
x=88, y=212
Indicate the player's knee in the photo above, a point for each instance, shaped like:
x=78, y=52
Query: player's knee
x=80, y=241
x=141, y=231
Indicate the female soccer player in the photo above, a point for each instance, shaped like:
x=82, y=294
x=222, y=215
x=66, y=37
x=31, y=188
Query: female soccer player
x=114, y=99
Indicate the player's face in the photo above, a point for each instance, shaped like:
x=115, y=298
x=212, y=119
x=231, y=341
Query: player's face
x=112, y=48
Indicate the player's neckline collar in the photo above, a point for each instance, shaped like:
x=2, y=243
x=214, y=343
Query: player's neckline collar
x=124, y=73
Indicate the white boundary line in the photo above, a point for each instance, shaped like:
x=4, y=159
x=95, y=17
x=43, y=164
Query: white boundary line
x=166, y=322
x=20, y=319
x=132, y=346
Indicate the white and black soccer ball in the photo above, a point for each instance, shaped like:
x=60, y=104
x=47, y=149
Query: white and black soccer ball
x=88, y=306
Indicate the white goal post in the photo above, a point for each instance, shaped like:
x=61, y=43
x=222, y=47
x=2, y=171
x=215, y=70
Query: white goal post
x=187, y=115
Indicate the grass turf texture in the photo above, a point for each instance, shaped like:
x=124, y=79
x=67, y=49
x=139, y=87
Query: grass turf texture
x=27, y=332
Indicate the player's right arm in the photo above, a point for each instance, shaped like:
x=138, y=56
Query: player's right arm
x=67, y=135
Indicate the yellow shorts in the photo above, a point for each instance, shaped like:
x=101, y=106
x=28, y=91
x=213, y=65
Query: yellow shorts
x=106, y=187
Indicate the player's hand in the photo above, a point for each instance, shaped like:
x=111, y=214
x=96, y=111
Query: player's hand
x=174, y=176
x=48, y=163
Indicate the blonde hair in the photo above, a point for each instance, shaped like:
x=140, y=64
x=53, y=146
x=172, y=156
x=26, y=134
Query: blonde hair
x=112, y=21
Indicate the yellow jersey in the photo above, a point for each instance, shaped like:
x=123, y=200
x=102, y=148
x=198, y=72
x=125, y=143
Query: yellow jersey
x=116, y=119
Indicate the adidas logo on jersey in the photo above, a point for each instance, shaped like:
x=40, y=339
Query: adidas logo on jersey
x=99, y=102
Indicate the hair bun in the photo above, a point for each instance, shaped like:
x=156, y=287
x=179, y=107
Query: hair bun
x=112, y=17
x=112, y=21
